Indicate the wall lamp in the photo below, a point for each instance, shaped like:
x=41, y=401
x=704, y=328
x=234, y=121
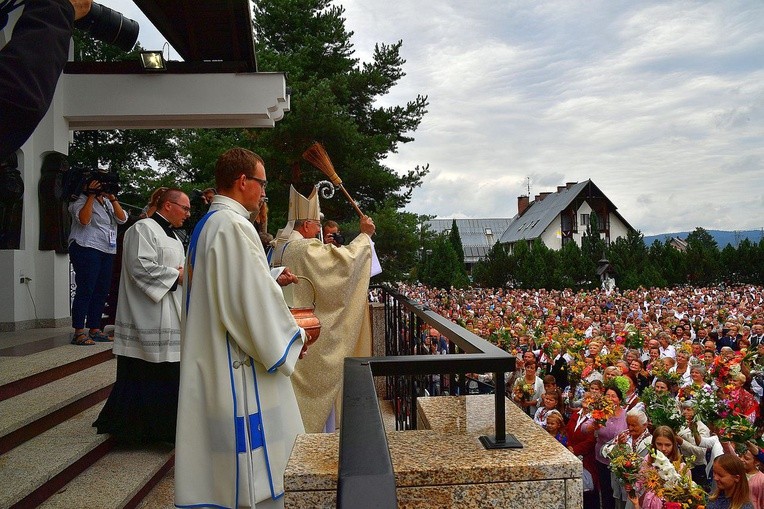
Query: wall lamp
x=153, y=61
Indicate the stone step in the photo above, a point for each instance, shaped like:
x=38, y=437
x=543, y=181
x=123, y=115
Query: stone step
x=21, y=373
x=31, y=413
x=162, y=496
x=120, y=479
x=46, y=462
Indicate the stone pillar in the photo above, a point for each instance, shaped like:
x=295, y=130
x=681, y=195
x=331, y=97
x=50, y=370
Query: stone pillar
x=378, y=348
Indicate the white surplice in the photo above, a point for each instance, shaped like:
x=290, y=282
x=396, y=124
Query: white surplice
x=237, y=413
x=147, y=324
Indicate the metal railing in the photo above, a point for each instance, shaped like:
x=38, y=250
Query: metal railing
x=365, y=477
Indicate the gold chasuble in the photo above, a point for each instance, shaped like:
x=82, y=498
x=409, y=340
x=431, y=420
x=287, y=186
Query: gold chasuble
x=341, y=277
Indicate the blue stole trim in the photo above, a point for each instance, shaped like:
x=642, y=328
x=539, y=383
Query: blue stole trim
x=192, y=252
x=255, y=433
x=282, y=360
x=233, y=393
x=265, y=447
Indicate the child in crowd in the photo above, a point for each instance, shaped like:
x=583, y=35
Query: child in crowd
x=550, y=401
x=732, y=491
x=755, y=479
x=555, y=426
x=664, y=440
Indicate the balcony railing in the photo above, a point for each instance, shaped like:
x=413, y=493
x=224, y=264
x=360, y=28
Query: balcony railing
x=365, y=477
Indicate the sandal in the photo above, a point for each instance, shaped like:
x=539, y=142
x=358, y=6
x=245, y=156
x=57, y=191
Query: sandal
x=100, y=337
x=82, y=339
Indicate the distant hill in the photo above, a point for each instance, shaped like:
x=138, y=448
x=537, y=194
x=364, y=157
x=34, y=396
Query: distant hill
x=721, y=237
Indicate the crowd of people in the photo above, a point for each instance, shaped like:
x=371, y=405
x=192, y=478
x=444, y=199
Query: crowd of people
x=658, y=391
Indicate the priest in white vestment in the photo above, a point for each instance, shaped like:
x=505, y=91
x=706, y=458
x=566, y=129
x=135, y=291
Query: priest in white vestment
x=237, y=414
x=341, y=279
x=143, y=404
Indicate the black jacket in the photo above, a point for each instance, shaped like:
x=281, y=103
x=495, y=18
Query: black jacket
x=30, y=65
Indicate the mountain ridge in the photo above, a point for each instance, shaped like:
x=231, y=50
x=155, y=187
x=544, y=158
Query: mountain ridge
x=722, y=237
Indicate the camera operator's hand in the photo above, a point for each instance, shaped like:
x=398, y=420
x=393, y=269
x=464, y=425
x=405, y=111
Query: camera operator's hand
x=367, y=226
x=81, y=8
x=93, y=188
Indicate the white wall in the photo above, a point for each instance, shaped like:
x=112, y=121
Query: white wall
x=109, y=102
x=552, y=236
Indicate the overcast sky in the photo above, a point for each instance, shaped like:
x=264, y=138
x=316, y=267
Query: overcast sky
x=660, y=104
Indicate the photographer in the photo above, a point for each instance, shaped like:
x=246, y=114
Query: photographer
x=92, y=245
x=31, y=63
x=332, y=234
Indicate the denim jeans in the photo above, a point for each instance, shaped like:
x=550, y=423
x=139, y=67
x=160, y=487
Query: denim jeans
x=92, y=274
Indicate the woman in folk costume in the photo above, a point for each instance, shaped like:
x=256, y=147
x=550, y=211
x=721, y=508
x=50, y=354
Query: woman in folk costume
x=636, y=436
x=340, y=276
x=580, y=431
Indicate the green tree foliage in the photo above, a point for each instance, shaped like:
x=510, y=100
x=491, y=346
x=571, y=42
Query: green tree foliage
x=456, y=241
x=441, y=267
x=335, y=99
x=571, y=269
x=397, y=242
x=592, y=245
x=636, y=264
x=494, y=271
x=702, y=257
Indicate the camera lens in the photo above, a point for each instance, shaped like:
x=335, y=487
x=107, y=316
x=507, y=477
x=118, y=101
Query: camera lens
x=110, y=26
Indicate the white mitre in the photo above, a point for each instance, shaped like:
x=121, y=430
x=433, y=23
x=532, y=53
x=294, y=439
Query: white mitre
x=300, y=208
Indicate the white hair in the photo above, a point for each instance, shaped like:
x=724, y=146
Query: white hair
x=638, y=414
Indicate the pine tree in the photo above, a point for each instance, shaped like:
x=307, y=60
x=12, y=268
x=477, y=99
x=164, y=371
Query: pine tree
x=456, y=241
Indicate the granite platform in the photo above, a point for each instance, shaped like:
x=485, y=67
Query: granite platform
x=443, y=464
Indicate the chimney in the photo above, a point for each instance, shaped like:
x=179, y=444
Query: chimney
x=570, y=184
x=561, y=188
x=545, y=194
x=537, y=198
x=522, y=205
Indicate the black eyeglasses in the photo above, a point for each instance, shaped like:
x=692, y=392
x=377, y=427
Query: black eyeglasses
x=262, y=182
x=185, y=209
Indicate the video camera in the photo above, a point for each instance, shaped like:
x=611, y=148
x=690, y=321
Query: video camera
x=76, y=181
x=109, y=182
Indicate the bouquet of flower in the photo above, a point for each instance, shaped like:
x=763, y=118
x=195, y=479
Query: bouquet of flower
x=576, y=344
x=662, y=409
x=600, y=407
x=734, y=428
x=677, y=487
x=614, y=355
x=706, y=404
x=633, y=337
x=625, y=465
x=684, y=494
x=672, y=484
x=575, y=369
x=660, y=371
x=723, y=372
x=523, y=390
